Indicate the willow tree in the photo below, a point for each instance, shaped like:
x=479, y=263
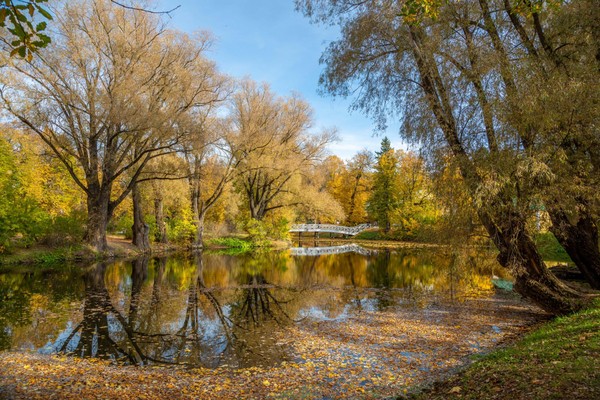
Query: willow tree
x=282, y=148
x=438, y=63
x=554, y=103
x=104, y=96
x=213, y=161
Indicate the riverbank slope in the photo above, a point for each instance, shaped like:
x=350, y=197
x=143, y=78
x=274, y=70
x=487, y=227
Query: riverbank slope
x=558, y=360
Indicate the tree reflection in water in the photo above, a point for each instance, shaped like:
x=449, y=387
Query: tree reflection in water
x=256, y=314
x=214, y=309
x=94, y=339
x=139, y=336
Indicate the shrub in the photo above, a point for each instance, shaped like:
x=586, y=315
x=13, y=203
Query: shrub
x=258, y=232
x=181, y=228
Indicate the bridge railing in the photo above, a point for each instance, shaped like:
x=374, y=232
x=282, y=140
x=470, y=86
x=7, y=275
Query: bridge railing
x=346, y=230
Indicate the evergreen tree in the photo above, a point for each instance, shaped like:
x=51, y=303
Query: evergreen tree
x=384, y=198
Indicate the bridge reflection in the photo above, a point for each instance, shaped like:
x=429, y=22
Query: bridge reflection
x=317, y=251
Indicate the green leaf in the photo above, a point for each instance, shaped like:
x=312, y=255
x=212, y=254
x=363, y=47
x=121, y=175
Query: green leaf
x=45, y=13
x=41, y=26
x=18, y=31
x=20, y=16
x=44, y=38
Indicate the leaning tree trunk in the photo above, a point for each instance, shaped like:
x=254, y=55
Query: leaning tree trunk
x=580, y=241
x=533, y=280
x=141, y=230
x=506, y=227
x=159, y=215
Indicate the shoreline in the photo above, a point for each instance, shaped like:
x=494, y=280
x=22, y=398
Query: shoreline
x=121, y=249
x=329, y=359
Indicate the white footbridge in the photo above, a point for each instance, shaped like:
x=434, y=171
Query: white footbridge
x=331, y=228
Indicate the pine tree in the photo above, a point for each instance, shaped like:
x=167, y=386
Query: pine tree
x=384, y=198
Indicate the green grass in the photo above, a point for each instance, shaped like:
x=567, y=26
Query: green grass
x=369, y=235
x=557, y=361
x=47, y=256
x=233, y=245
x=550, y=249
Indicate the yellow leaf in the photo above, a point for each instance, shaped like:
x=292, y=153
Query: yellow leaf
x=455, y=389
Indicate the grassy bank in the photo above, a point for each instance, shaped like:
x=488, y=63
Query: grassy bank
x=123, y=248
x=230, y=245
x=56, y=255
x=48, y=255
x=550, y=249
x=556, y=361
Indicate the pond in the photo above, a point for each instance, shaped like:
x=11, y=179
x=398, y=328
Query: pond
x=213, y=310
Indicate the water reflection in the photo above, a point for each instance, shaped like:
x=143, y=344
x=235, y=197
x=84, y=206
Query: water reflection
x=211, y=310
x=318, y=251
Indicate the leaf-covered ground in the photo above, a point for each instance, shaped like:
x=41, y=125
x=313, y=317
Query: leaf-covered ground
x=372, y=354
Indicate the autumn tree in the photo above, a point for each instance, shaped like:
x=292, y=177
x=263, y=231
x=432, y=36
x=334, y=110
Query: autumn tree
x=359, y=181
x=334, y=173
x=105, y=96
x=315, y=201
x=416, y=207
x=283, y=149
x=557, y=77
x=438, y=62
x=38, y=201
x=350, y=184
x=23, y=37
x=213, y=161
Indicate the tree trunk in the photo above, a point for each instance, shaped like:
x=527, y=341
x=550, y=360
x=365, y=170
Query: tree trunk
x=161, y=227
x=198, y=211
x=520, y=256
x=200, y=228
x=580, y=241
x=139, y=273
x=141, y=230
x=94, y=326
x=257, y=209
x=97, y=220
x=353, y=198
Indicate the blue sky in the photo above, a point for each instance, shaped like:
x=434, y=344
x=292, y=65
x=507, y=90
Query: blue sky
x=268, y=41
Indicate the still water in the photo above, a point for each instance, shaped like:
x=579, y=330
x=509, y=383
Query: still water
x=212, y=310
